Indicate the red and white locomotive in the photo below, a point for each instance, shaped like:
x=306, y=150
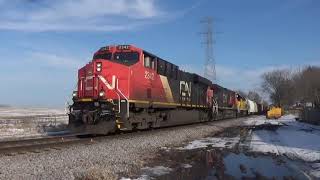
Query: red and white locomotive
x=125, y=87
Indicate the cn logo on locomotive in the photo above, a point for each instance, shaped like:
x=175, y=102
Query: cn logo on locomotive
x=185, y=90
x=106, y=83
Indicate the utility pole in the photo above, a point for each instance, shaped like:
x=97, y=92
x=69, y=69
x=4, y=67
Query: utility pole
x=209, y=66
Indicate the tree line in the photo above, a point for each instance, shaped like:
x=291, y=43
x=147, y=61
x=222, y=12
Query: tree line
x=287, y=87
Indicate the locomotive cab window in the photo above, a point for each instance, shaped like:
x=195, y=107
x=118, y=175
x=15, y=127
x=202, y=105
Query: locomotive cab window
x=104, y=56
x=161, y=67
x=126, y=58
x=149, y=62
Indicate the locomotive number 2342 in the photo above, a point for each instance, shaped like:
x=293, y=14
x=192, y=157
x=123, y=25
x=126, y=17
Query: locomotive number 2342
x=149, y=75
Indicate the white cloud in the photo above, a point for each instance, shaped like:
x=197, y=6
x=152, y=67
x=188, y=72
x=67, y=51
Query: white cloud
x=77, y=15
x=86, y=9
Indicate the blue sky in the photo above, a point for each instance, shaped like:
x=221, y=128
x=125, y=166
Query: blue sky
x=44, y=42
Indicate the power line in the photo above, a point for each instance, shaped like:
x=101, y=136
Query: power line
x=209, y=66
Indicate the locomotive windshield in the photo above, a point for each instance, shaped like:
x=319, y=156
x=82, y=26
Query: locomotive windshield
x=106, y=56
x=126, y=58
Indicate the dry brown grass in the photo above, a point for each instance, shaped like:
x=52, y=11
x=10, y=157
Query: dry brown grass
x=95, y=174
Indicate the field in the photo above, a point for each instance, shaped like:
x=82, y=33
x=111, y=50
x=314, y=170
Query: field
x=30, y=122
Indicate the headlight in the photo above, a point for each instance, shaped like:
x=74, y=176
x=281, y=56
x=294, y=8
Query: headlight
x=74, y=94
x=101, y=93
x=99, y=66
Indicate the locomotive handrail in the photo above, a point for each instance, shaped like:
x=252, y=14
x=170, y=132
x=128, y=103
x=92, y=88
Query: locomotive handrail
x=124, y=97
x=118, y=91
x=119, y=99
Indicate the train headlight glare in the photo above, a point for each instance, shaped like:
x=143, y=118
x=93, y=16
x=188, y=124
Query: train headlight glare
x=101, y=93
x=99, y=64
x=74, y=94
x=98, y=69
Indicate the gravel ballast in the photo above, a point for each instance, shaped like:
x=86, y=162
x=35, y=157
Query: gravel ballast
x=104, y=158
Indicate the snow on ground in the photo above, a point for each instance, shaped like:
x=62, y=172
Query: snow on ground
x=295, y=139
x=151, y=172
x=6, y=112
x=12, y=133
x=156, y=171
x=261, y=120
x=315, y=170
x=223, y=142
x=143, y=177
x=29, y=122
x=186, y=166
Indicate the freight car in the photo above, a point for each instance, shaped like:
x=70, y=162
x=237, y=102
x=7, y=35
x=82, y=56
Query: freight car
x=125, y=88
x=261, y=109
x=242, y=106
x=252, y=107
x=226, y=100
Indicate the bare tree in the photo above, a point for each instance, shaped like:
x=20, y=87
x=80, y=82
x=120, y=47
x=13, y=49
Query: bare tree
x=279, y=85
x=265, y=103
x=307, y=85
x=254, y=96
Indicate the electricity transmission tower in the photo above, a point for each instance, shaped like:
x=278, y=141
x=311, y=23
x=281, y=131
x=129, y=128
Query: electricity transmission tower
x=209, y=66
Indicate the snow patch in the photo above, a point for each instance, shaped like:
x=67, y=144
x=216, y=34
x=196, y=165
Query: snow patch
x=143, y=177
x=157, y=170
x=315, y=170
x=30, y=122
x=186, y=166
x=212, y=141
x=13, y=111
x=148, y=172
x=165, y=148
x=296, y=140
x=261, y=120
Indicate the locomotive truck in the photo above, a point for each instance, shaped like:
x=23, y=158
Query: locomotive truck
x=127, y=88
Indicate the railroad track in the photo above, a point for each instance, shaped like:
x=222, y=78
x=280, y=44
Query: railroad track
x=37, y=145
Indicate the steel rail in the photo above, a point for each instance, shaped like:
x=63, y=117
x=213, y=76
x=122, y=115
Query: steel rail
x=21, y=146
x=39, y=143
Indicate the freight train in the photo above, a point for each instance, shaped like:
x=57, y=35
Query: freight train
x=127, y=88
